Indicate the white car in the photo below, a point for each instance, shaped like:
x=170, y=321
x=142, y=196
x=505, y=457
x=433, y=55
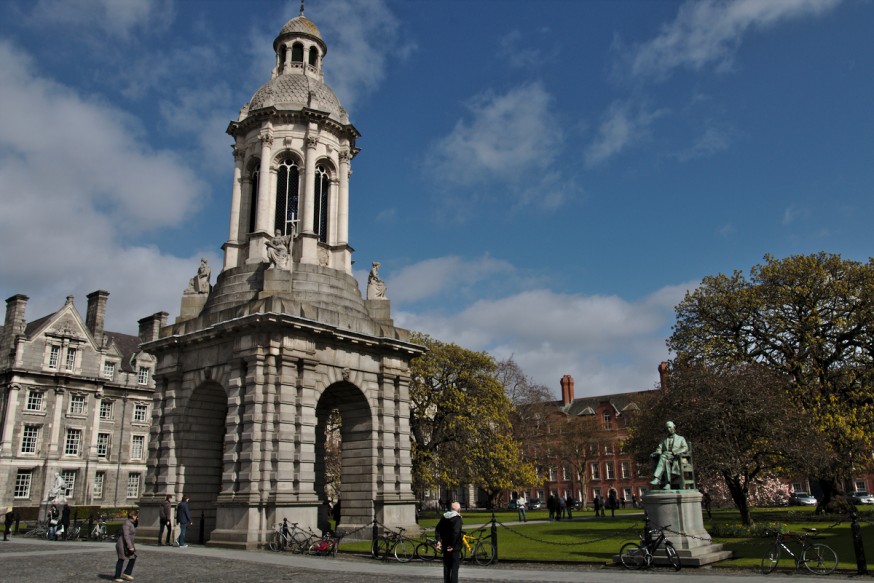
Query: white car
x=801, y=499
x=861, y=497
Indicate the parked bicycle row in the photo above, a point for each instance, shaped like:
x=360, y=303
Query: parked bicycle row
x=478, y=546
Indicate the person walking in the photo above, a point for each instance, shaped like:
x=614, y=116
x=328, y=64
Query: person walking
x=164, y=515
x=126, y=549
x=596, y=504
x=449, y=540
x=10, y=518
x=570, y=506
x=54, y=518
x=551, y=506
x=612, y=503
x=65, y=521
x=560, y=507
x=520, y=508
x=323, y=518
x=335, y=514
x=183, y=519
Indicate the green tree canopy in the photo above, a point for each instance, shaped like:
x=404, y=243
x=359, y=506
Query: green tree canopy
x=808, y=318
x=460, y=421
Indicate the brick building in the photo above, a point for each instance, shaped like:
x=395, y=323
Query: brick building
x=577, y=446
x=75, y=402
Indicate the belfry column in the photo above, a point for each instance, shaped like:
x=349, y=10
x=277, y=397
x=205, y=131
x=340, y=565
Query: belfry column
x=308, y=237
x=343, y=209
x=232, y=247
x=257, y=240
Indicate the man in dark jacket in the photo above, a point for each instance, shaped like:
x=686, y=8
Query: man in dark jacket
x=449, y=540
x=183, y=519
x=164, y=516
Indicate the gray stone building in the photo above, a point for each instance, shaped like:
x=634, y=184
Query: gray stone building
x=76, y=403
x=250, y=373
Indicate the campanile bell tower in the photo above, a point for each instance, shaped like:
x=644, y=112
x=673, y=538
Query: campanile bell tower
x=257, y=368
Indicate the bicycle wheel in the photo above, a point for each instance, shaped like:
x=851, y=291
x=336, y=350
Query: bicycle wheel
x=632, y=556
x=74, y=533
x=299, y=542
x=403, y=551
x=483, y=553
x=426, y=552
x=770, y=560
x=274, y=542
x=673, y=557
x=380, y=549
x=820, y=559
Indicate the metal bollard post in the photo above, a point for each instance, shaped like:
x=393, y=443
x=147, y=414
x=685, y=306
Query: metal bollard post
x=374, y=541
x=202, y=534
x=494, y=540
x=90, y=526
x=861, y=564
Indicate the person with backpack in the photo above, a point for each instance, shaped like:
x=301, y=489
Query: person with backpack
x=183, y=519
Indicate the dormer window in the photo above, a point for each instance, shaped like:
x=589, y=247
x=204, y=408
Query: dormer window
x=143, y=376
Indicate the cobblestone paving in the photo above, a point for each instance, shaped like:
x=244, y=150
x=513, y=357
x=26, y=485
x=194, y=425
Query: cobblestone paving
x=27, y=561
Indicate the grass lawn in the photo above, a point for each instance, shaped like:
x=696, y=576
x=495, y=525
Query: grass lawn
x=590, y=540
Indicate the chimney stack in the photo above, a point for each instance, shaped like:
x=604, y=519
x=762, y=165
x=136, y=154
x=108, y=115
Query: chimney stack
x=150, y=326
x=664, y=371
x=14, y=324
x=96, y=315
x=567, y=390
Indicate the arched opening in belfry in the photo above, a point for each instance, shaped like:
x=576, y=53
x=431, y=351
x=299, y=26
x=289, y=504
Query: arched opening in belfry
x=200, y=446
x=345, y=451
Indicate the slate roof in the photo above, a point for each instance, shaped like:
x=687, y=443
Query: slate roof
x=621, y=402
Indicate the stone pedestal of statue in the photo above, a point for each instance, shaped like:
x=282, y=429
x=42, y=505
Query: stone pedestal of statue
x=192, y=305
x=680, y=512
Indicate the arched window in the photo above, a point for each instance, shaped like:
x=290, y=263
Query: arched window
x=320, y=216
x=282, y=55
x=287, y=188
x=253, y=197
x=297, y=53
x=314, y=56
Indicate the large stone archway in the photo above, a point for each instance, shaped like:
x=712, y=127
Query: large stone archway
x=200, y=452
x=357, y=452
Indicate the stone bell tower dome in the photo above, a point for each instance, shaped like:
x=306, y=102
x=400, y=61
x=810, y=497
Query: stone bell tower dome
x=293, y=149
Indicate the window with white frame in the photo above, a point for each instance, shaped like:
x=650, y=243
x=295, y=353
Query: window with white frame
x=54, y=356
x=626, y=493
x=103, y=445
x=625, y=469
x=137, y=446
x=29, y=439
x=105, y=409
x=609, y=473
x=23, y=480
x=608, y=422
x=143, y=375
x=608, y=448
x=109, y=370
x=97, y=486
x=69, y=476
x=71, y=359
x=860, y=486
x=540, y=494
x=73, y=442
x=564, y=474
x=77, y=404
x=551, y=474
x=35, y=401
x=141, y=412
x=596, y=471
x=133, y=485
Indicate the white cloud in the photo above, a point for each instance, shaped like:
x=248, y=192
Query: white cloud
x=436, y=277
x=115, y=18
x=712, y=140
x=793, y=213
x=708, y=33
x=77, y=187
x=534, y=48
x=607, y=343
x=363, y=36
x=624, y=125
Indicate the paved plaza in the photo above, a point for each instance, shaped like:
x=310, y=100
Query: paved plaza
x=24, y=560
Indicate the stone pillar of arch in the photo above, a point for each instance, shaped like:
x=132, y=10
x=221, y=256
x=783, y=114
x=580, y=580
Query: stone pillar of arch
x=308, y=238
x=258, y=239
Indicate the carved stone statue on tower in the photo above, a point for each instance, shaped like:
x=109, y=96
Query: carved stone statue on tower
x=375, y=286
x=199, y=284
x=279, y=250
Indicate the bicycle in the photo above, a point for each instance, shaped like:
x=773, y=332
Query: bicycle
x=100, y=531
x=285, y=538
x=327, y=545
x=636, y=556
x=478, y=547
x=427, y=550
x=396, y=543
x=40, y=530
x=818, y=558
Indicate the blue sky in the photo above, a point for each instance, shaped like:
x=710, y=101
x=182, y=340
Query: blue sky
x=542, y=179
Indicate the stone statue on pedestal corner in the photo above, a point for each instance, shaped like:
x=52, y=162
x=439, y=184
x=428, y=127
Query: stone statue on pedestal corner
x=279, y=250
x=199, y=284
x=375, y=286
x=668, y=458
x=57, y=494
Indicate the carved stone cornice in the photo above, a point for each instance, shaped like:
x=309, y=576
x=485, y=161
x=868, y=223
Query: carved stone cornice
x=312, y=142
x=266, y=138
x=239, y=153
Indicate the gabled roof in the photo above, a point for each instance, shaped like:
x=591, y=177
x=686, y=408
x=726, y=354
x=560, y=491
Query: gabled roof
x=619, y=402
x=127, y=346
